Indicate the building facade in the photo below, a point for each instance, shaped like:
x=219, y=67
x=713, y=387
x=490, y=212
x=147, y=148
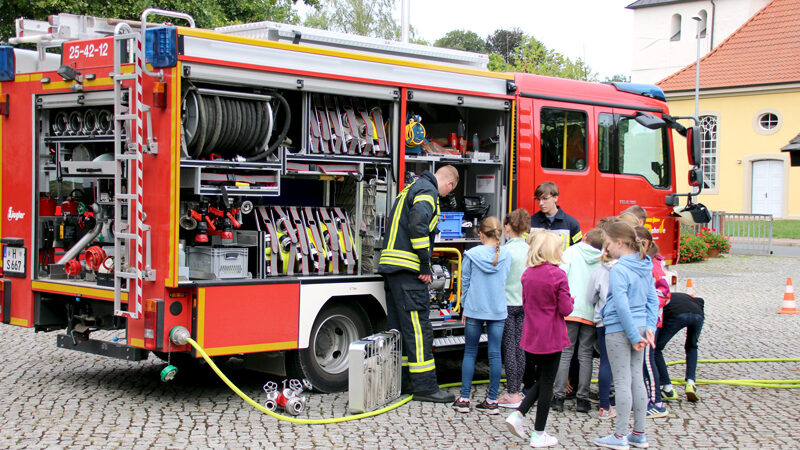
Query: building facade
x=664, y=33
x=749, y=111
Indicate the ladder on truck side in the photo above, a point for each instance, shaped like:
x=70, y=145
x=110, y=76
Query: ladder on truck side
x=129, y=163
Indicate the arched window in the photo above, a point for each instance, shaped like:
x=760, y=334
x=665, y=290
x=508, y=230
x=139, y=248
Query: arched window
x=703, y=15
x=708, y=143
x=675, y=28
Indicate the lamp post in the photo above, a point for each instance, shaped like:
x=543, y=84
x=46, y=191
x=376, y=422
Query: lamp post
x=404, y=20
x=697, y=72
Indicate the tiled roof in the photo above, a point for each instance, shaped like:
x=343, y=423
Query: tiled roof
x=793, y=145
x=645, y=3
x=765, y=50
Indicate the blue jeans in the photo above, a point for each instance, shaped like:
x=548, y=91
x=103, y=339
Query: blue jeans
x=604, y=372
x=694, y=325
x=472, y=336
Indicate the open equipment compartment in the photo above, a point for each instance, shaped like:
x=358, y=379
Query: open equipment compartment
x=470, y=133
x=286, y=179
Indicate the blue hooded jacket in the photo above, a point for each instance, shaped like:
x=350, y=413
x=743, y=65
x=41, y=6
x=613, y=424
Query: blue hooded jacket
x=632, y=300
x=483, y=285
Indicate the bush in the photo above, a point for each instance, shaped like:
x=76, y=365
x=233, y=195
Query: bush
x=692, y=248
x=714, y=240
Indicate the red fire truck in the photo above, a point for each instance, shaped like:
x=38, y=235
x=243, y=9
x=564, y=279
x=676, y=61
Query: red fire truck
x=236, y=182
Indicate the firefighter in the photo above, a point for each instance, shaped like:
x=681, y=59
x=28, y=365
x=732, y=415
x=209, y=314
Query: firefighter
x=406, y=269
x=552, y=217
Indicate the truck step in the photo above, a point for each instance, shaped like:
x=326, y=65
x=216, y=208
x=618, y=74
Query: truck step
x=453, y=341
x=103, y=348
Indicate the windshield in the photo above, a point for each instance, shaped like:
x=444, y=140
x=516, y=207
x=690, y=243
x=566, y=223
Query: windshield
x=643, y=152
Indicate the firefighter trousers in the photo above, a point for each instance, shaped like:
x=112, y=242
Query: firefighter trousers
x=408, y=305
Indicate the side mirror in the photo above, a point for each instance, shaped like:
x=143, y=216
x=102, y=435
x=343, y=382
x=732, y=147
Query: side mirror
x=693, y=145
x=696, y=177
x=649, y=121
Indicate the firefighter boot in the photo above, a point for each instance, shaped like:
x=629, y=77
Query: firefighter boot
x=438, y=396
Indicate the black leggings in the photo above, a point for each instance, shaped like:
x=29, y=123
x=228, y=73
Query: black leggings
x=513, y=355
x=540, y=374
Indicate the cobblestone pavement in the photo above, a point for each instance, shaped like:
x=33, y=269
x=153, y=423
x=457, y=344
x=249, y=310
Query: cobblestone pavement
x=53, y=398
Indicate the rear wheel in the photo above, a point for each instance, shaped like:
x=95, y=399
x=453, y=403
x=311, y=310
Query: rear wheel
x=326, y=361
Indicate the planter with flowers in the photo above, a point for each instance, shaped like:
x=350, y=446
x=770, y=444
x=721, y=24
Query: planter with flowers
x=692, y=248
x=717, y=243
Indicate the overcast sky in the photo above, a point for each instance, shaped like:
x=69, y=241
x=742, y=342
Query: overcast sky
x=598, y=31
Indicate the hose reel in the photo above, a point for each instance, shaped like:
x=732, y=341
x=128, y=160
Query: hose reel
x=231, y=123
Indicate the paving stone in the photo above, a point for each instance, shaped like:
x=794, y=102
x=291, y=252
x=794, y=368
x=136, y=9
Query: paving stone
x=55, y=398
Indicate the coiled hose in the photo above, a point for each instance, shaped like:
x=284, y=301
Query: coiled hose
x=230, y=127
x=785, y=384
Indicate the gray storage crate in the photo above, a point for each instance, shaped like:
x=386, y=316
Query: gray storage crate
x=208, y=263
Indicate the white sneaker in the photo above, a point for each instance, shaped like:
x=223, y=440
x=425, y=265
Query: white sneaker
x=543, y=440
x=514, y=424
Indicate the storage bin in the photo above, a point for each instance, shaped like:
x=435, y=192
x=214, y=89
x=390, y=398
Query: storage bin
x=450, y=225
x=218, y=263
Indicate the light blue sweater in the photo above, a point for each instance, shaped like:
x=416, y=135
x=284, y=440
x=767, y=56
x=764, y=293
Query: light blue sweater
x=632, y=300
x=518, y=249
x=483, y=284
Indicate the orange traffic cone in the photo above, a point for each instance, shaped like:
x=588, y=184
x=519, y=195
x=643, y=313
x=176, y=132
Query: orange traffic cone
x=689, y=287
x=789, y=305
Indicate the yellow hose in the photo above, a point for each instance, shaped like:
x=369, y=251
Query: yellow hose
x=783, y=384
x=259, y=407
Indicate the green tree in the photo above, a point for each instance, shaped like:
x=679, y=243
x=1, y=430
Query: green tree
x=462, y=40
x=622, y=78
x=531, y=56
x=206, y=13
x=504, y=42
x=362, y=17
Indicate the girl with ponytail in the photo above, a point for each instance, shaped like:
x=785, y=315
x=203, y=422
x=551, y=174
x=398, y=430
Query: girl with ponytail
x=483, y=282
x=629, y=316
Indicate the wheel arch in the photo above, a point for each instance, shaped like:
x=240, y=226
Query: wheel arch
x=369, y=295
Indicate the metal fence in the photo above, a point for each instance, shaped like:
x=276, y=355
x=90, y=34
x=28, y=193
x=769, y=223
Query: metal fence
x=749, y=233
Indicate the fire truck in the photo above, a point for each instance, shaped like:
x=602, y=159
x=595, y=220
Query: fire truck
x=237, y=182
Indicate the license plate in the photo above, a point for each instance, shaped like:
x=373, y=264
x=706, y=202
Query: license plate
x=14, y=261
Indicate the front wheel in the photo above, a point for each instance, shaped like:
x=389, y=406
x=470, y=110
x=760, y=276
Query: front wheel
x=326, y=361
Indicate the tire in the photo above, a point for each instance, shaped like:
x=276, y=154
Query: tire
x=325, y=362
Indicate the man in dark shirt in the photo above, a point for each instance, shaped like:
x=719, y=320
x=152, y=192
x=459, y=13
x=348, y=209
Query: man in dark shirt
x=682, y=311
x=551, y=217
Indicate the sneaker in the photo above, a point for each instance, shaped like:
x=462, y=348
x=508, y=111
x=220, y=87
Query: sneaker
x=612, y=441
x=558, y=404
x=461, y=405
x=488, y=407
x=667, y=396
x=654, y=412
x=510, y=400
x=691, y=393
x=594, y=397
x=608, y=413
x=542, y=440
x=639, y=441
x=514, y=424
x=584, y=405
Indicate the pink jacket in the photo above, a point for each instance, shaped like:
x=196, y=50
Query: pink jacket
x=662, y=287
x=546, y=301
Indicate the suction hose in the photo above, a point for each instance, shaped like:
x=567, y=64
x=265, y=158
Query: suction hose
x=181, y=336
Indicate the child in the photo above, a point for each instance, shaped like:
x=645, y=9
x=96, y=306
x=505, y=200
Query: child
x=596, y=294
x=682, y=311
x=483, y=282
x=579, y=261
x=637, y=211
x=629, y=317
x=655, y=407
x=546, y=300
x=516, y=224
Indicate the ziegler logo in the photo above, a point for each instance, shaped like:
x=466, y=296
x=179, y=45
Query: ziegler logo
x=15, y=215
